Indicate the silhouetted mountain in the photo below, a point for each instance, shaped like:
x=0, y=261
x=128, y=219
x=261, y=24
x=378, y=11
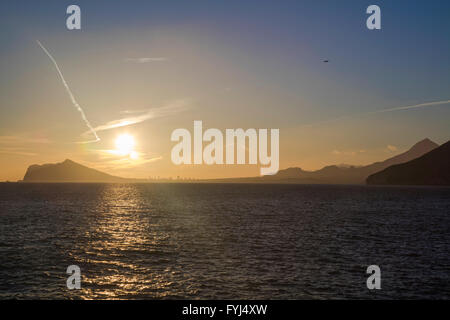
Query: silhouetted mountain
x=351, y=174
x=339, y=174
x=432, y=168
x=68, y=171
x=417, y=150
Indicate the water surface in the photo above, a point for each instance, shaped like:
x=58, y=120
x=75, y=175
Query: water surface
x=223, y=241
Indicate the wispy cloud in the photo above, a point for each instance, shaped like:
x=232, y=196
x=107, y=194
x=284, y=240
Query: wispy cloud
x=22, y=140
x=20, y=145
x=17, y=152
x=134, y=111
x=347, y=153
x=127, y=164
x=113, y=160
x=171, y=109
x=392, y=148
x=146, y=59
x=402, y=108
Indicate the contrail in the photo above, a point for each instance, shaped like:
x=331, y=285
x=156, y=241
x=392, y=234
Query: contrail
x=414, y=106
x=427, y=104
x=72, y=98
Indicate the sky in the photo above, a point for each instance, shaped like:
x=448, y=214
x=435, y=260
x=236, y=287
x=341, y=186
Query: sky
x=160, y=65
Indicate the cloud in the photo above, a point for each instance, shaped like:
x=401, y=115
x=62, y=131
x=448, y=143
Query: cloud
x=16, y=152
x=146, y=59
x=347, y=153
x=20, y=145
x=22, y=140
x=133, y=111
x=171, y=109
x=113, y=160
x=127, y=163
x=391, y=148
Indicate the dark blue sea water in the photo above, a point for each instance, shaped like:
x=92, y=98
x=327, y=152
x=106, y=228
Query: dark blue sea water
x=223, y=241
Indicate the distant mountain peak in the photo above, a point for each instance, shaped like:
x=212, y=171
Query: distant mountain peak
x=354, y=174
x=425, y=143
x=432, y=168
x=68, y=171
x=419, y=149
x=290, y=172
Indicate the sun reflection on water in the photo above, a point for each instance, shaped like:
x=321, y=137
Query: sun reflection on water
x=124, y=254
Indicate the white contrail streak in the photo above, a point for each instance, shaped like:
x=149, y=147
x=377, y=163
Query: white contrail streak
x=414, y=106
x=72, y=98
x=421, y=105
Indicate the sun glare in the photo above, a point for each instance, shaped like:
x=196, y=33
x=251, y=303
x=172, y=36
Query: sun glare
x=125, y=145
x=134, y=155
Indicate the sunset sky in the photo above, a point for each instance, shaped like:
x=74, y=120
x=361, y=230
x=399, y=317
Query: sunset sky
x=160, y=65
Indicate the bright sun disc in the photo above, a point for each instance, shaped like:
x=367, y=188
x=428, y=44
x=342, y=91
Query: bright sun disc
x=125, y=144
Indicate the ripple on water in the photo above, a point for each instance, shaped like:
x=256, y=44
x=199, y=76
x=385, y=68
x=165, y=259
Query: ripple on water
x=174, y=241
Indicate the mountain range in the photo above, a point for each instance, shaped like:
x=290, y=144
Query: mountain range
x=424, y=163
x=340, y=174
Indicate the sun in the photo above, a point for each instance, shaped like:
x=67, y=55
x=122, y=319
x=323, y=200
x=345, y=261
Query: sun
x=125, y=145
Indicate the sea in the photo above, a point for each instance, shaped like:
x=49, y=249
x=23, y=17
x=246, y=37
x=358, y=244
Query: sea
x=223, y=241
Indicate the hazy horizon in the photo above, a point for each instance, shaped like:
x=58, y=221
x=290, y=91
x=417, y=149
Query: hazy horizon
x=164, y=178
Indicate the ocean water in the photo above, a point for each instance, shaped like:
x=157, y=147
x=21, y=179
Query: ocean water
x=223, y=241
